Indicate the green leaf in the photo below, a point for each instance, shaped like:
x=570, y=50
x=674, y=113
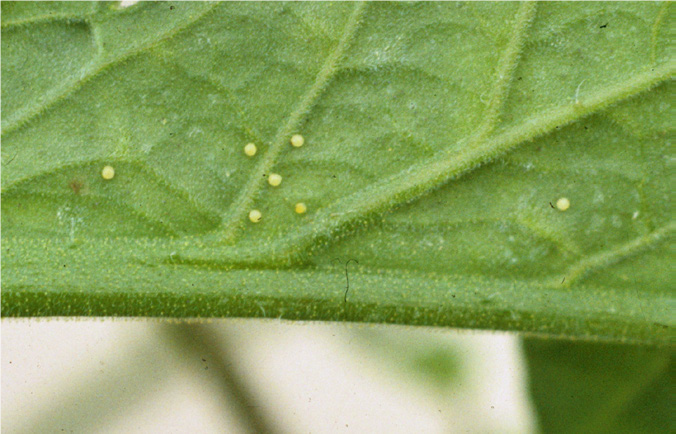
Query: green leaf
x=438, y=137
x=600, y=388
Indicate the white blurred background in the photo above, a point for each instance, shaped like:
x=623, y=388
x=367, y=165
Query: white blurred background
x=236, y=375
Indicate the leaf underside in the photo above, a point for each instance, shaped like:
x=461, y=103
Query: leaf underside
x=438, y=140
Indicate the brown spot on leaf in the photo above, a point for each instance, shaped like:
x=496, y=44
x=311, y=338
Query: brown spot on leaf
x=77, y=186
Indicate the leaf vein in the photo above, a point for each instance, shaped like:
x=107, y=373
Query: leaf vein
x=655, y=30
x=46, y=18
x=232, y=220
x=505, y=71
x=617, y=254
x=23, y=117
x=424, y=177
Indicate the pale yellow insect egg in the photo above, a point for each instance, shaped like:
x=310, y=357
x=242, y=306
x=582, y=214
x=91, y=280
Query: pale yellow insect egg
x=297, y=140
x=250, y=149
x=108, y=172
x=274, y=179
x=301, y=208
x=255, y=215
x=563, y=204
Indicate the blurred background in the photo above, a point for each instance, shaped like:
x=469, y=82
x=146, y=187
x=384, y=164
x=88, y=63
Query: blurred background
x=249, y=375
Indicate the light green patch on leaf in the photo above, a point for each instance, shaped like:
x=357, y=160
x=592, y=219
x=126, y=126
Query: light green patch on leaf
x=438, y=136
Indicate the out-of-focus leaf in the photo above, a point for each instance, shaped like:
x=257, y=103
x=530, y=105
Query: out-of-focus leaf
x=583, y=387
x=430, y=358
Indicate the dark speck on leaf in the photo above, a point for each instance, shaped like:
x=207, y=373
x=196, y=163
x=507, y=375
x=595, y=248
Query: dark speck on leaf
x=76, y=186
x=171, y=8
x=11, y=159
x=603, y=26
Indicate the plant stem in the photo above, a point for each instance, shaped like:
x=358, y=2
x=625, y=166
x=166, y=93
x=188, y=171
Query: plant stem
x=200, y=341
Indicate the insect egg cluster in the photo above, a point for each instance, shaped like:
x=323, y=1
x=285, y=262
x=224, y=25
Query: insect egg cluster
x=275, y=179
